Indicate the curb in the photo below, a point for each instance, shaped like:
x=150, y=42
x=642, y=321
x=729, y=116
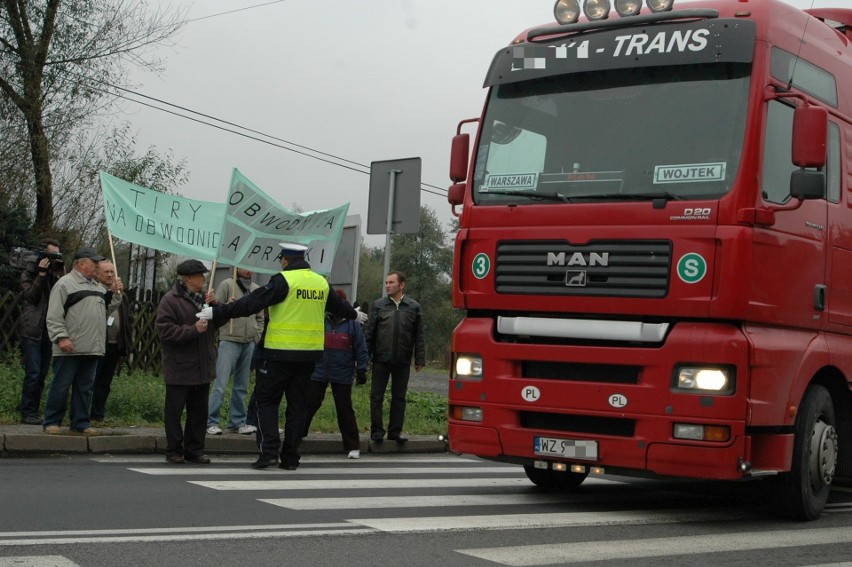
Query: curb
x=153, y=441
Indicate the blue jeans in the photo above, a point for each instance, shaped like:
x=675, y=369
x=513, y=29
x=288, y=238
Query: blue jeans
x=233, y=358
x=36, y=358
x=75, y=373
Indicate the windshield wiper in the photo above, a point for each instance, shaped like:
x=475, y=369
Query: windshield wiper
x=552, y=196
x=662, y=196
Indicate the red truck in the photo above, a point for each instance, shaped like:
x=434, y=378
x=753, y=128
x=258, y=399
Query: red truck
x=655, y=248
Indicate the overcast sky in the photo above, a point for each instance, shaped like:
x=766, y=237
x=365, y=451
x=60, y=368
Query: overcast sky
x=364, y=81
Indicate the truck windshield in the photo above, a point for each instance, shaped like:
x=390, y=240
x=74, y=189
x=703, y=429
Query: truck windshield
x=624, y=134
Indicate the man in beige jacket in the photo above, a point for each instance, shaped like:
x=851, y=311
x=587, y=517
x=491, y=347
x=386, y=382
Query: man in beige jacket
x=237, y=341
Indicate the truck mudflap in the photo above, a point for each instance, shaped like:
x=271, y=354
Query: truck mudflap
x=474, y=440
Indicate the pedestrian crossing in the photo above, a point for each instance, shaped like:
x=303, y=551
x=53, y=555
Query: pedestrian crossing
x=451, y=494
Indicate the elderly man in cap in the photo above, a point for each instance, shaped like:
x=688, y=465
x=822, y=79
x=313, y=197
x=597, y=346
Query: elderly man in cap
x=76, y=325
x=297, y=299
x=188, y=353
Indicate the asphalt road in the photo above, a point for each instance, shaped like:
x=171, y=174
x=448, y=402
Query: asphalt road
x=387, y=510
x=429, y=381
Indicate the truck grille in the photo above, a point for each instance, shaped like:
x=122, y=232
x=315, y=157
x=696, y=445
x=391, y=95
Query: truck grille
x=616, y=426
x=578, y=372
x=601, y=268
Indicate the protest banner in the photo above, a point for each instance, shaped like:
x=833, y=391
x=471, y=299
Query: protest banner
x=161, y=221
x=255, y=224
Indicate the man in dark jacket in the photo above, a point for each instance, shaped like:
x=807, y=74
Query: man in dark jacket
x=298, y=299
x=189, y=363
x=394, y=332
x=32, y=331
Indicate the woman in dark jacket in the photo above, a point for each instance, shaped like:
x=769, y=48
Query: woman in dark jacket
x=345, y=354
x=189, y=363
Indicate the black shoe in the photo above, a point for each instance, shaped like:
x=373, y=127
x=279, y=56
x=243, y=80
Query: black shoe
x=264, y=462
x=31, y=420
x=398, y=438
x=377, y=437
x=288, y=467
x=175, y=459
x=198, y=459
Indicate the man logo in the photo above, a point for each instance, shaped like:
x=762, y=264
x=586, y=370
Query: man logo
x=577, y=259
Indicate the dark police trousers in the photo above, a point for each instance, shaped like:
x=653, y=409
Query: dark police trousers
x=276, y=379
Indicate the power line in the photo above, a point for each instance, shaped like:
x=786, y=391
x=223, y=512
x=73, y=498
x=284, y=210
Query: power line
x=315, y=154
x=341, y=161
x=235, y=11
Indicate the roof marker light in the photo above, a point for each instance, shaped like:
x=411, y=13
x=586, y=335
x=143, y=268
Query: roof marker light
x=628, y=7
x=567, y=11
x=659, y=5
x=596, y=9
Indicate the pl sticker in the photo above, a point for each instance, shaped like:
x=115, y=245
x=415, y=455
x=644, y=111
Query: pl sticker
x=691, y=268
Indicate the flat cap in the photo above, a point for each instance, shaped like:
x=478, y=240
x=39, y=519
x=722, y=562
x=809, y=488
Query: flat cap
x=191, y=267
x=88, y=253
x=292, y=249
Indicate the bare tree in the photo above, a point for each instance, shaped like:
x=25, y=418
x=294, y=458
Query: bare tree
x=60, y=61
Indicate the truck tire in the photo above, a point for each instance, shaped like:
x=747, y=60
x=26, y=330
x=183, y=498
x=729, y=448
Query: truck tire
x=805, y=489
x=554, y=480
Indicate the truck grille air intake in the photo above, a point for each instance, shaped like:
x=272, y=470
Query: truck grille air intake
x=601, y=268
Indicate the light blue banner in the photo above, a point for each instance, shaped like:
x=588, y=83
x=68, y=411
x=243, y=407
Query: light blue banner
x=255, y=224
x=161, y=221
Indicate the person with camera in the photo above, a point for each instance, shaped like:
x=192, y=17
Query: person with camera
x=36, y=282
x=345, y=355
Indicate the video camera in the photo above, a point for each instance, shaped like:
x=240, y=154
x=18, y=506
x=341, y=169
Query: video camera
x=26, y=259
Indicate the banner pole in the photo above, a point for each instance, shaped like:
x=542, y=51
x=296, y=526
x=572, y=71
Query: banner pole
x=112, y=253
x=232, y=294
x=212, y=273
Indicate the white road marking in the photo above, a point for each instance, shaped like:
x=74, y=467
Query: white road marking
x=359, y=484
x=615, y=550
x=569, y=519
x=336, y=471
x=37, y=561
x=376, y=502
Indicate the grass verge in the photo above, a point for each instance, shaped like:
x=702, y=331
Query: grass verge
x=137, y=400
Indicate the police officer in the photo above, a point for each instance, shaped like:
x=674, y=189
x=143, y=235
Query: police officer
x=297, y=299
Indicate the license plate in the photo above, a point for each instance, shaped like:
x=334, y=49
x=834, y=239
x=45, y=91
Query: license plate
x=568, y=448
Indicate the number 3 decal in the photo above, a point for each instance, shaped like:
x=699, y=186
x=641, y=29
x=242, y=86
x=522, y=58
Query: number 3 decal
x=481, y=265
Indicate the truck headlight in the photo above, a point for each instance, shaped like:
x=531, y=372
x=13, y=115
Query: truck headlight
x=468, y=367
x=704, y=380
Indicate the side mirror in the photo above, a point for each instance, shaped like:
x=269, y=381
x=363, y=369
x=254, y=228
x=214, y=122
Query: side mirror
x=455, y=195
x=810, y=132
x=458, y=157
x=806, y=184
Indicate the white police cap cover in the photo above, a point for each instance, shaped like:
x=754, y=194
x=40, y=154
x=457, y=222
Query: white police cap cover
x=292, y=249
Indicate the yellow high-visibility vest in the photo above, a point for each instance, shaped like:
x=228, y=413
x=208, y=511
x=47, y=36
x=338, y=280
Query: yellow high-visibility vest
x=298, y=322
